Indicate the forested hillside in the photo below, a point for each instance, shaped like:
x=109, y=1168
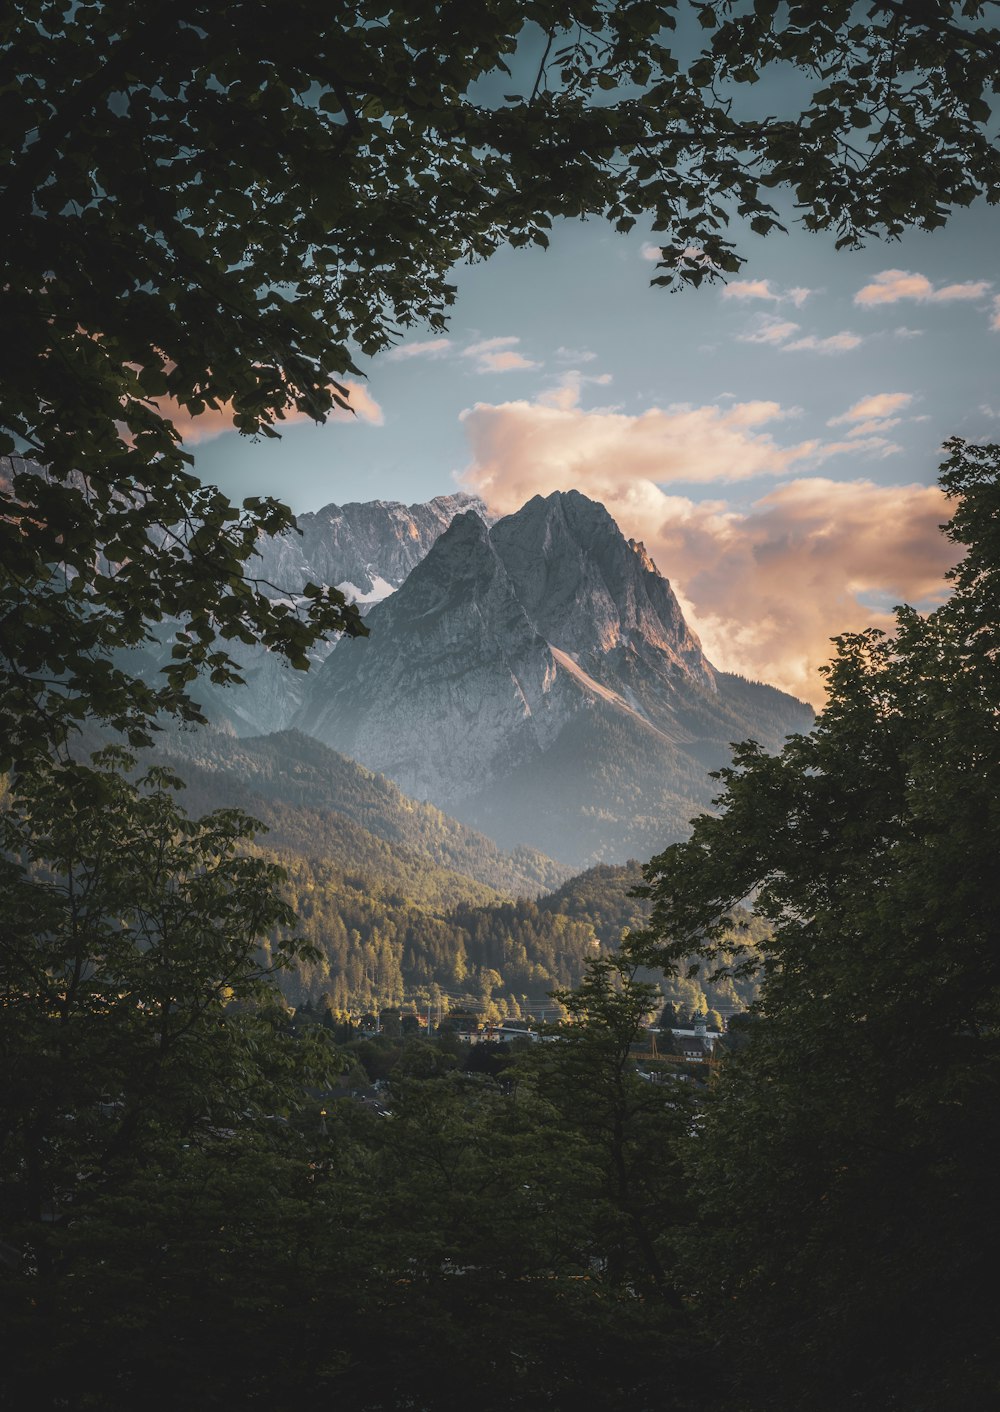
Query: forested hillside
x=605, y=898
x=297, y=786
x=399, y=901
x=403, y=904
x=502, y=958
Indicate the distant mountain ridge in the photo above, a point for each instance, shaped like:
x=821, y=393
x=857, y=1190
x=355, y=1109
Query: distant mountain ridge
x=314, y=801
x=364, y=548
x=537, y=679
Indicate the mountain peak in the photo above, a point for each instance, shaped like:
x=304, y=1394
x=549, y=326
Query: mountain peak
x=571, y=509
x=588, y=590
x=538, y=676
x=467, y=527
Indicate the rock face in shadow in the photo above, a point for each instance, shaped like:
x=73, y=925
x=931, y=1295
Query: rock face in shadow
x=364, y=549
x=538, y=679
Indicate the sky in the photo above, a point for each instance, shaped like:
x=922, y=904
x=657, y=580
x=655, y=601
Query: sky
x=773, y=441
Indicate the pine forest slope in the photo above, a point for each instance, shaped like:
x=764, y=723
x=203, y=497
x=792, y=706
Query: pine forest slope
x=400, y=901
x=313, y=799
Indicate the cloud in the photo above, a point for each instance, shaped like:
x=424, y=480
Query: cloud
x=770, y=329
x=749, y=289
x=971, y=289
x=879, y=404
x=498, y=355
x=893, y=285
x=489, y=345
x=215, y=421
x=889, y=286
x=744, y=289
x=875, y=426
x=565, y=392
x=776, y=333
x=861, y=443
x=429, y=348
x=364, y=405
x=871, y=417
x=766, y=587
x=995, y=320
x=836, y=343
x=506, y=362
x=519, y=446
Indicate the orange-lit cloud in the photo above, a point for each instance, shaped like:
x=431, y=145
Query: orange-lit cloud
x=836, y=343
x=769, y=329
x=575, y=355
x=214, y=421
x=565, y=392
x=872, y=417
x=519, y=445
x=777, y=333
x=497, y=355
x=766, y=587
x=749, y=289
x=879, y=404
x=890, y=286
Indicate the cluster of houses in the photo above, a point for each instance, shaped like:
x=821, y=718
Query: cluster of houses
x=694, y=1043
x=465, y=1025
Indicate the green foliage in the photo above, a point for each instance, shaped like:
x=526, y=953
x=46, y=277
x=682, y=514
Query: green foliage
x=604, y=896
x=847, y=1164
x=472, y=1245
x=372, y=950
x=139, y=1034
x=613, y=899
x=632, y=1128
x=494, y=1254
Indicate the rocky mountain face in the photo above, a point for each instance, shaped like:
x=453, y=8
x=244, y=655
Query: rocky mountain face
x=364, y=549
x=537, y=679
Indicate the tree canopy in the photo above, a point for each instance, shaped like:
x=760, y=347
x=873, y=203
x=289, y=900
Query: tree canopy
x=846, y=1168
x=215, y=208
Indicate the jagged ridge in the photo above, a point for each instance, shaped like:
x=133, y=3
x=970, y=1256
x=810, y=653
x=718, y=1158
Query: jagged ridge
x=538, y=679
